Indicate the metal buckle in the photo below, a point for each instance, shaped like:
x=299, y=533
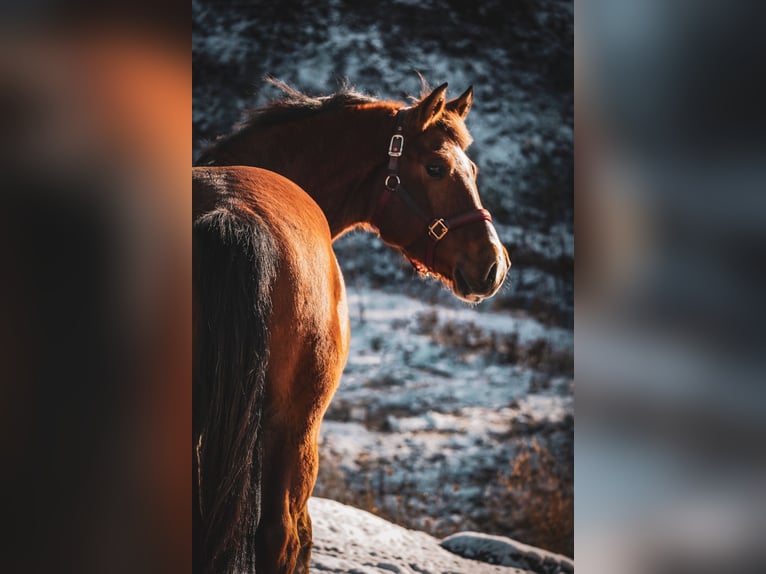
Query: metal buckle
x=395, y=179
x=396, y=146
x=438, y=229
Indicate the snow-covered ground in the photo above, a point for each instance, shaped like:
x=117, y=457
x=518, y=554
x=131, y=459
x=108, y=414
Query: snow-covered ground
x=429, y=358
x=434, y=406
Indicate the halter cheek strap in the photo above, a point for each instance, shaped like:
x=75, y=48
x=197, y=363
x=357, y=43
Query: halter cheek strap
x=436, y=228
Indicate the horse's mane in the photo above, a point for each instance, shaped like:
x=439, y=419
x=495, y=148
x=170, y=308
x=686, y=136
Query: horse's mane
x=295, y=105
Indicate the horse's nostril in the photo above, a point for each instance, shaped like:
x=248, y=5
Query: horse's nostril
x=491, y=276
x=461, y=282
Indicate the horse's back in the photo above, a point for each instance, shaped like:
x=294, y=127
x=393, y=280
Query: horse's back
x=308, y=284
x=284, y=207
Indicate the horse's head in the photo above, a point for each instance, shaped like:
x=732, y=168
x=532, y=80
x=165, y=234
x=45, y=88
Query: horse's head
x=430, y=207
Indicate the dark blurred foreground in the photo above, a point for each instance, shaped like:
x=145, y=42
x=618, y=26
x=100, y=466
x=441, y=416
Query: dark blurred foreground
x=95, y=295
x=669, y=311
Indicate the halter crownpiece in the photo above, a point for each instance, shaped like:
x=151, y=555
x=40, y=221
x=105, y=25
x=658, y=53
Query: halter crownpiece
x=436, y=228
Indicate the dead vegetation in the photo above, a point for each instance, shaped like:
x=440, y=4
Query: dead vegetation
x=534, y=499
x=530, y=497
x=499, y=348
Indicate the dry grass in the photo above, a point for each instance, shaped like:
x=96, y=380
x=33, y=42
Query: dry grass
x=503, y=348
x=535, y=500
x=532, y=500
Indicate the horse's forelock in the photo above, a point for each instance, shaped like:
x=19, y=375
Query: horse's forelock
x=449, y=122
x=455, y=127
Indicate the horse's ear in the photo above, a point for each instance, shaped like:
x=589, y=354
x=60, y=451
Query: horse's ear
x=462, y=104
x=429, y=109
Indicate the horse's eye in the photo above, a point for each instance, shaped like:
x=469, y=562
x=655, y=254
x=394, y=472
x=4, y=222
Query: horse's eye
x=435, y=170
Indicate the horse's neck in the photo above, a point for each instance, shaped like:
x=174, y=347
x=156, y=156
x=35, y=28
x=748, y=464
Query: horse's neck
x=334, y=160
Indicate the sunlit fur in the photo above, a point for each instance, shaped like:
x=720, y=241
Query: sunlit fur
x=335, y=148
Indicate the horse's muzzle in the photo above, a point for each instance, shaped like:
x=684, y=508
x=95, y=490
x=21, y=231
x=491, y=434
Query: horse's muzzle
x=474, y=283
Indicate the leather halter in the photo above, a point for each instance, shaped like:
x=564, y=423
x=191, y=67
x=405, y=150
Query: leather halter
x=436, y=227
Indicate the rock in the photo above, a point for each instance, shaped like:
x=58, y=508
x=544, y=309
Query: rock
x=507, y=552
x=348, y=540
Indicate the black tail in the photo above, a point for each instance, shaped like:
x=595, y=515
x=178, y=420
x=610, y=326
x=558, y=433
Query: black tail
x=234, y=268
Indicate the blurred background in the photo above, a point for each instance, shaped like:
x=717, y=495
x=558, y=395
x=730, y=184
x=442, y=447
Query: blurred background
x=448, y=417
x=669, y=312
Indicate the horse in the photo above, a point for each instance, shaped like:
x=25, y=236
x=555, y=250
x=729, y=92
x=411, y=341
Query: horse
x=271, y=339
x=398, y=170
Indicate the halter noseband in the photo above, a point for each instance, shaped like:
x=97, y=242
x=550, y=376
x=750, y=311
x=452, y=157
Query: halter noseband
x=436, y=228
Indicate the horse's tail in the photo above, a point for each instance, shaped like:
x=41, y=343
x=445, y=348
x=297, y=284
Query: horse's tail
x=234, y=268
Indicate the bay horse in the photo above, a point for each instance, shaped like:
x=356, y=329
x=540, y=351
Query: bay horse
x=271, y=323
